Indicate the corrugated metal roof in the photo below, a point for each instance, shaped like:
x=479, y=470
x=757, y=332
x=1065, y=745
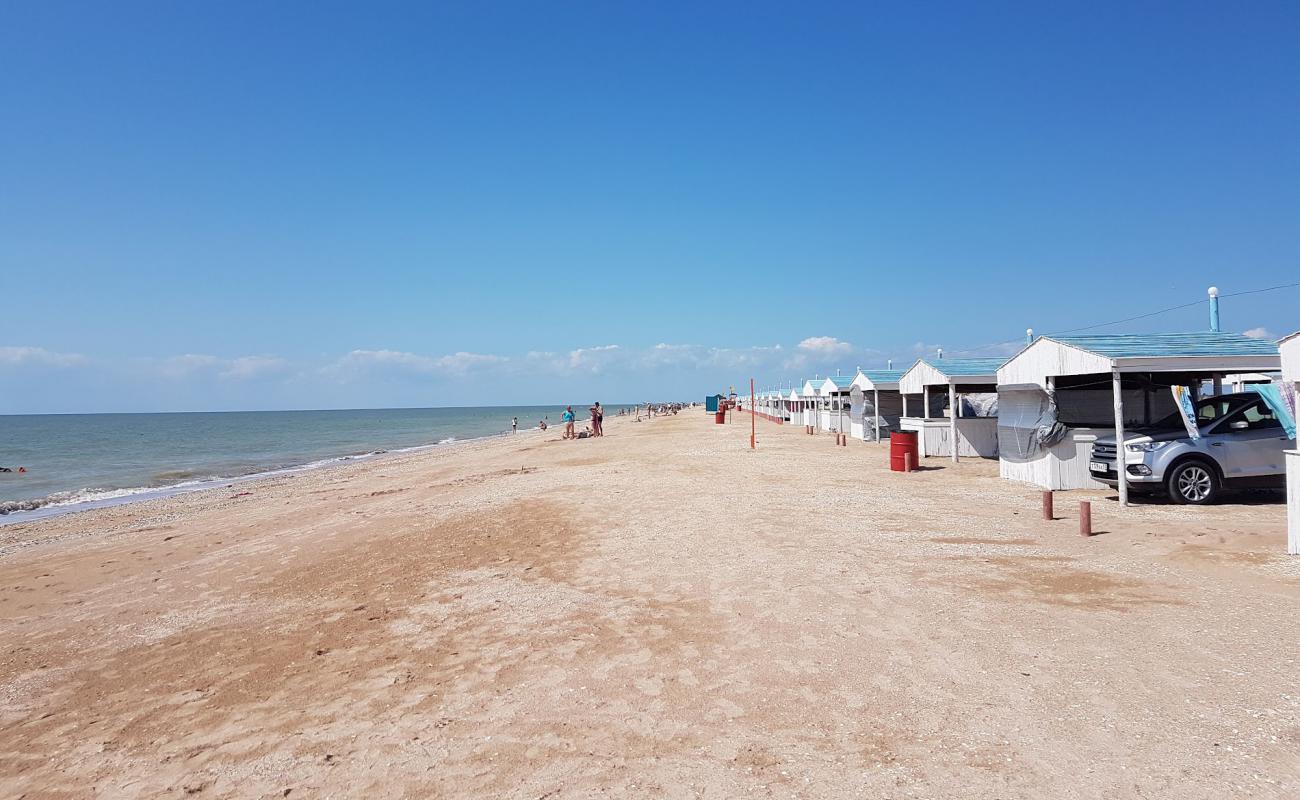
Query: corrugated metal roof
x=883, y=375
x=956, y=367
x=1170, y=345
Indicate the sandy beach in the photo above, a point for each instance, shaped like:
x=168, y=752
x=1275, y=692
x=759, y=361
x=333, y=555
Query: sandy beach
x=659, y=613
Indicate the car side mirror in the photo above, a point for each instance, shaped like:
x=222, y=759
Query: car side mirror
x=1239, y=425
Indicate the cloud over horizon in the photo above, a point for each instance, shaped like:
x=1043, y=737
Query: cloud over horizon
x=386, y=377
x=16, y=356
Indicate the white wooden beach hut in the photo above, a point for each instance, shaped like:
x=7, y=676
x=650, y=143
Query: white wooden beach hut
x=834, y=392
x=936, y=389
x=812, y=402
x=1060, y=392
x=795, y=404
x=882, y=401
x=777, y=400
x=1289, y=348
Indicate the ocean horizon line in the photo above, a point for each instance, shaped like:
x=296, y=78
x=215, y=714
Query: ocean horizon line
x=306, y=410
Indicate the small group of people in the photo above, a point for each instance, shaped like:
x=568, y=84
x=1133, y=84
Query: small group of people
x=597, y=427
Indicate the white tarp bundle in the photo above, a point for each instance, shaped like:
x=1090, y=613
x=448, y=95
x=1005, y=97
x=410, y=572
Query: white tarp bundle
x=1027, y=422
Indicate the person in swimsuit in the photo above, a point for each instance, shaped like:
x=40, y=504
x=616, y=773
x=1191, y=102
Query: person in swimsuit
x=568, y=422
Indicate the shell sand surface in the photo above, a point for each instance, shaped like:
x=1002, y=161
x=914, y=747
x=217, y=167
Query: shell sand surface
x=659, y=613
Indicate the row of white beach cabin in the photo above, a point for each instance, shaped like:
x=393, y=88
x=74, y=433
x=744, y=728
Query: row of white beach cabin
x=1053, y=398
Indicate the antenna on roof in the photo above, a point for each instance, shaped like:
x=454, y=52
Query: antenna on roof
x=1214, y=308
x=1029, y=335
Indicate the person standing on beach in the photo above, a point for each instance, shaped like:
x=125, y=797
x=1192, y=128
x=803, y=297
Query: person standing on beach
x=567, y=418
x=600, y=419
x=595, y=422
x=514, y=424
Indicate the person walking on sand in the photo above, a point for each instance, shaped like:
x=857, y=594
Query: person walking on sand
x=567, y=418
x=514, y=424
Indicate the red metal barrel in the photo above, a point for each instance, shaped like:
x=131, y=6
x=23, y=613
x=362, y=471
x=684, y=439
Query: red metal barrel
x=900, y=444
x=720, y=417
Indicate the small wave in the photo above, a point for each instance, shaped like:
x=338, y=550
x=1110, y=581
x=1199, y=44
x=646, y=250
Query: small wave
x=174, y=482
x=85, y=496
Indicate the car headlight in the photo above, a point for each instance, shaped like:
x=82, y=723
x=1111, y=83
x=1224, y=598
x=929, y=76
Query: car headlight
x=1146, y=447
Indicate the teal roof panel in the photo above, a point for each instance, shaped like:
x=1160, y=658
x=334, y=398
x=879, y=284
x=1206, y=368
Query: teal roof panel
x=883, y=375
x=1170, y=345
x=957, y=367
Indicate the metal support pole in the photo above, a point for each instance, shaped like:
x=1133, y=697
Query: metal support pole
x=753, y=418
x=1121, y=468
x=876, y=392
x=952, y=419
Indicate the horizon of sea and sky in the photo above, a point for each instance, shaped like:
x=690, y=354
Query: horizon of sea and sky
x=76, y=462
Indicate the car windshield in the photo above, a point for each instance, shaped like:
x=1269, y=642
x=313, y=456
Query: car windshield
x=1207, y=412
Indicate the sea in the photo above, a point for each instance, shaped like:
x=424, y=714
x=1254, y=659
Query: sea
x=78, y=461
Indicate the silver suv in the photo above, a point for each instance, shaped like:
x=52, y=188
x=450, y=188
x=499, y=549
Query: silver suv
x=1241, y=446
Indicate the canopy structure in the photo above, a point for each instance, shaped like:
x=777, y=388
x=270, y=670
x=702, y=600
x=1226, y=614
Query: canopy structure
x=1290, y=350
x=882, y=402
x=959, y=434
x=834, y=392
x=1059, y=392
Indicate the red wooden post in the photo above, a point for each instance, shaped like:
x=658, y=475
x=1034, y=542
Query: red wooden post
x=909, y=462
x=1047, y=506
x=1085, y=518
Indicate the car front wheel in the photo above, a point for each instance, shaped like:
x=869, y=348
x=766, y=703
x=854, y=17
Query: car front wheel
x=1193, y=482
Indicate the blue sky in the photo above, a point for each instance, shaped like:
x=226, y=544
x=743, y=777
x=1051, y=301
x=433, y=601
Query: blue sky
x=326, y=204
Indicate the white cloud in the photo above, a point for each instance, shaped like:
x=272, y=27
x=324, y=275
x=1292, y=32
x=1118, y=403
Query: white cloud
x=593, y=359
x=463, y=362
x=249, y=367
x=1258, y=333
x=38, y=356
x=397, y=360
x=241, y=368
x=825, y=345
x=714, y=357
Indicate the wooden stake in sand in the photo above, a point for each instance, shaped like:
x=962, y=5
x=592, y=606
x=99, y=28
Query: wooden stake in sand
x=1047, y=506
x=1085, y=518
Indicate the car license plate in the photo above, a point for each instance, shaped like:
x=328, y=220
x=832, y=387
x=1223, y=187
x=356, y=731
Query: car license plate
x=1098, y=466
